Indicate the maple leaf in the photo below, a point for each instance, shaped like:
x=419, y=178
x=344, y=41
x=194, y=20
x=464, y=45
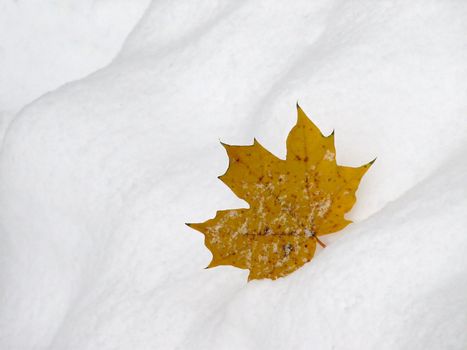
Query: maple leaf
x=292, y=202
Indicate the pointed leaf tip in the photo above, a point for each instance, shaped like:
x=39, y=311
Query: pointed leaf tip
x=301, y=116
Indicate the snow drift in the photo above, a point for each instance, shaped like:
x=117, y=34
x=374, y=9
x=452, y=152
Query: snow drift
x=98, y=178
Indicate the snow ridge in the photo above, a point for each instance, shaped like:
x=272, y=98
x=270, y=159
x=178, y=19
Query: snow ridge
x=98, y=178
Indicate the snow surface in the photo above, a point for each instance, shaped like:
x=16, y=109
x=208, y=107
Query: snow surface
x=98, y=178
x=44, y=44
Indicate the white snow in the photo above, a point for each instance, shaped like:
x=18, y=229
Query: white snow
x=98, y=178
x=44, y=44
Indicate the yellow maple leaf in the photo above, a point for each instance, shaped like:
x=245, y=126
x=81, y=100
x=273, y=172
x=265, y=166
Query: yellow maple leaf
x=292, y=202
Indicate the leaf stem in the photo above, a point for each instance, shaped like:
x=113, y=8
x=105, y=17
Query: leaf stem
x=319, y=241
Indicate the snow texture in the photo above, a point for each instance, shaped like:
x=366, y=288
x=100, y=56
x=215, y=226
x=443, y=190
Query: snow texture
x=98, y=178
x=44, y=44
